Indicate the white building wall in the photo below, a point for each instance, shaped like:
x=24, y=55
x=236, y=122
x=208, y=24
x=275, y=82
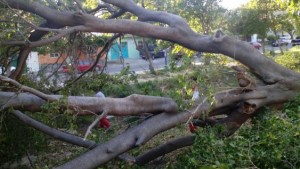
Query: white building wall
x=33, y=62
x=254, y=38
x=132, y=52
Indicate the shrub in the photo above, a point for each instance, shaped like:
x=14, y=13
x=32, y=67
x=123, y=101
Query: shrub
x=290, y=60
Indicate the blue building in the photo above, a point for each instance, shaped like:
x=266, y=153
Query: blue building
x=126, y=49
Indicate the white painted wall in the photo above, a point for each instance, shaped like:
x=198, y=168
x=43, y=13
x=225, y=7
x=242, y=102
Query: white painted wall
x=33, y=62
x=132, y=52
x=254, y=38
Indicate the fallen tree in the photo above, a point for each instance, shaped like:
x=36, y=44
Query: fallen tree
x=276, y=84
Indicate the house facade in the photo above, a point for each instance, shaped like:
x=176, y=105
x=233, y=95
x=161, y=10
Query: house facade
x=125, y=47
x=59, y=58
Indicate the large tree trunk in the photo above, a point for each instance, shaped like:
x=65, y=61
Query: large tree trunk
x=277, y=84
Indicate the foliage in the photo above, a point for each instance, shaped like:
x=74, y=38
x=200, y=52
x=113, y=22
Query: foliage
x=204, y=16
x=290, y=59
x=16, y=139
x=271, y=140
x=118, y=85
x=259, y=17
x=247, y=22
x=90, y=4
x=271, y=39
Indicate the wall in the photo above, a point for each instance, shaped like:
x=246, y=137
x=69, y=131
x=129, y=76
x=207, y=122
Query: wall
x=133, y=53
x=61, y=57
x=47, y=59
x=33, y=62
x=114, y=52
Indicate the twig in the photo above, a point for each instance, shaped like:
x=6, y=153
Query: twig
x=104, y=49
x=79, y=5
x=128, y=158
x=29, y=159
x=27, y=89
x=194, y=113
x=96, y=121
x=62, y=33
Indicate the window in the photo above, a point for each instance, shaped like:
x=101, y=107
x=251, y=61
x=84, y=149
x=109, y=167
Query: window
x=54, y=55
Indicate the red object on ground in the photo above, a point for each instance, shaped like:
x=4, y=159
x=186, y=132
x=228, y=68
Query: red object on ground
x=192, y=128
x=104, y=123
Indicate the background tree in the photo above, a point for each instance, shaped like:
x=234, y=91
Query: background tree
x=205, y=16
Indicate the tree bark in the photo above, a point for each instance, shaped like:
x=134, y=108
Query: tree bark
x=164, y=149
x=279, y=84
x=59, y=135
x=178, y=32
x=131, y=105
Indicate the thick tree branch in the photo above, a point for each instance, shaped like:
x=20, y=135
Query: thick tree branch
x=148, y=15
x=59, y=135
x=47, y=13
x=145, y=131
x=131, y=105
x=103, y=6
x=63, y=136
x=164, y=149
x=179, y=32
x=237, y=104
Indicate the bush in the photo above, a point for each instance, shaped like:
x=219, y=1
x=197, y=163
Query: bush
x=290, y=60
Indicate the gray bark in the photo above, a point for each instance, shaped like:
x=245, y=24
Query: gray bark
x=279, y=84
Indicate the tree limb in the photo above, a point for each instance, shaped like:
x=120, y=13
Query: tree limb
x=59, y=135
x=178, y=32
x=164, y=149
x=134, y=104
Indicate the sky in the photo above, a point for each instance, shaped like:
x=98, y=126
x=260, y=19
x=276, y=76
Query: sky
x=232, y=4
